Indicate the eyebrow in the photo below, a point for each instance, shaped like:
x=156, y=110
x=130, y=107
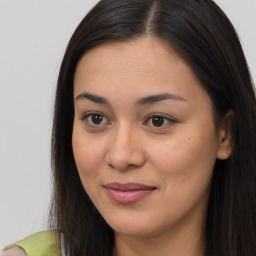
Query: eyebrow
x=92, y=97
x=151, y=99
x=148, y=100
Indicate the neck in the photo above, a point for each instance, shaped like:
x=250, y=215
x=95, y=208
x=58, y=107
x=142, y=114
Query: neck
x=181, y=242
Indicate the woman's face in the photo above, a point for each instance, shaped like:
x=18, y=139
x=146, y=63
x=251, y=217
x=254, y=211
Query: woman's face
x=144, y=139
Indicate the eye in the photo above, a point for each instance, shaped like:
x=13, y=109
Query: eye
x=159, y=121
x=95, y=119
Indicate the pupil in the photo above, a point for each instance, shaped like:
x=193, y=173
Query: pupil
x=97, y=119
x=158, y=121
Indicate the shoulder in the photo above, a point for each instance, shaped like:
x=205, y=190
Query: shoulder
x=14, y=251
x=38, y=244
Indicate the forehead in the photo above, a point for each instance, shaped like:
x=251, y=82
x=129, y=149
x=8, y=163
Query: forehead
x=143, y=53
x=138, y=67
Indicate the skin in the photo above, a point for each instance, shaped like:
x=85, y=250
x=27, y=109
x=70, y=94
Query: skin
x=177, y=157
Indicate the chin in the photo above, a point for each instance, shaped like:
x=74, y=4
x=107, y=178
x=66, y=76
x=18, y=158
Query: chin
x=132, y=231
x=132, y=227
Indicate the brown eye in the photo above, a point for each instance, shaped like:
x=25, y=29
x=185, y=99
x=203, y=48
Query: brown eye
x=159, y=121
x=95, y=119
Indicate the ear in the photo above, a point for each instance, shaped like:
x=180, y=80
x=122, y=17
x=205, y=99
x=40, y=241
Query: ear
x=225, y=136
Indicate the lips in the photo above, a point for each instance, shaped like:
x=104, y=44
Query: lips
x=127, y=193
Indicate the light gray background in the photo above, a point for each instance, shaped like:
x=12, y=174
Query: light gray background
x=33, y=37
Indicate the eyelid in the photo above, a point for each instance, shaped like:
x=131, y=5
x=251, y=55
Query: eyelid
x=89, y=114
x=167, y=118
x=170, y=119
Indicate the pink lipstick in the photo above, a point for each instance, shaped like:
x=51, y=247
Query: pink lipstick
x=127, y=193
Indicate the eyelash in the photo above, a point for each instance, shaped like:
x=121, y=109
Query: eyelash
x=88, y=115
x=164, y=117
x=155, y=115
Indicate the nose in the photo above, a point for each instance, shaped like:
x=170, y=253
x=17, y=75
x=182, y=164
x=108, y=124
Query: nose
x=125, y=149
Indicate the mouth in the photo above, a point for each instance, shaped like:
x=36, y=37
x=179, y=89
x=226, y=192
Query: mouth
x=128, y=193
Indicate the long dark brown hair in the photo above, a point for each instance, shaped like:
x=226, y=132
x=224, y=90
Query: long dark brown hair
x=204, y=37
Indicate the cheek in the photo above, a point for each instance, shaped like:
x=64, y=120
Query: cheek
x=88, y=159
x=186, y=162
x=88, y=154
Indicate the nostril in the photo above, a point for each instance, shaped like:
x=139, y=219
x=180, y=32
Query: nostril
x=123, y=152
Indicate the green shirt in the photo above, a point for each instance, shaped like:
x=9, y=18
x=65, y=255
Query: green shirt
x=45, y=243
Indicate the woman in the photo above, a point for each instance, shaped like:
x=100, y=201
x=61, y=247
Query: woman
x=153, y=146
